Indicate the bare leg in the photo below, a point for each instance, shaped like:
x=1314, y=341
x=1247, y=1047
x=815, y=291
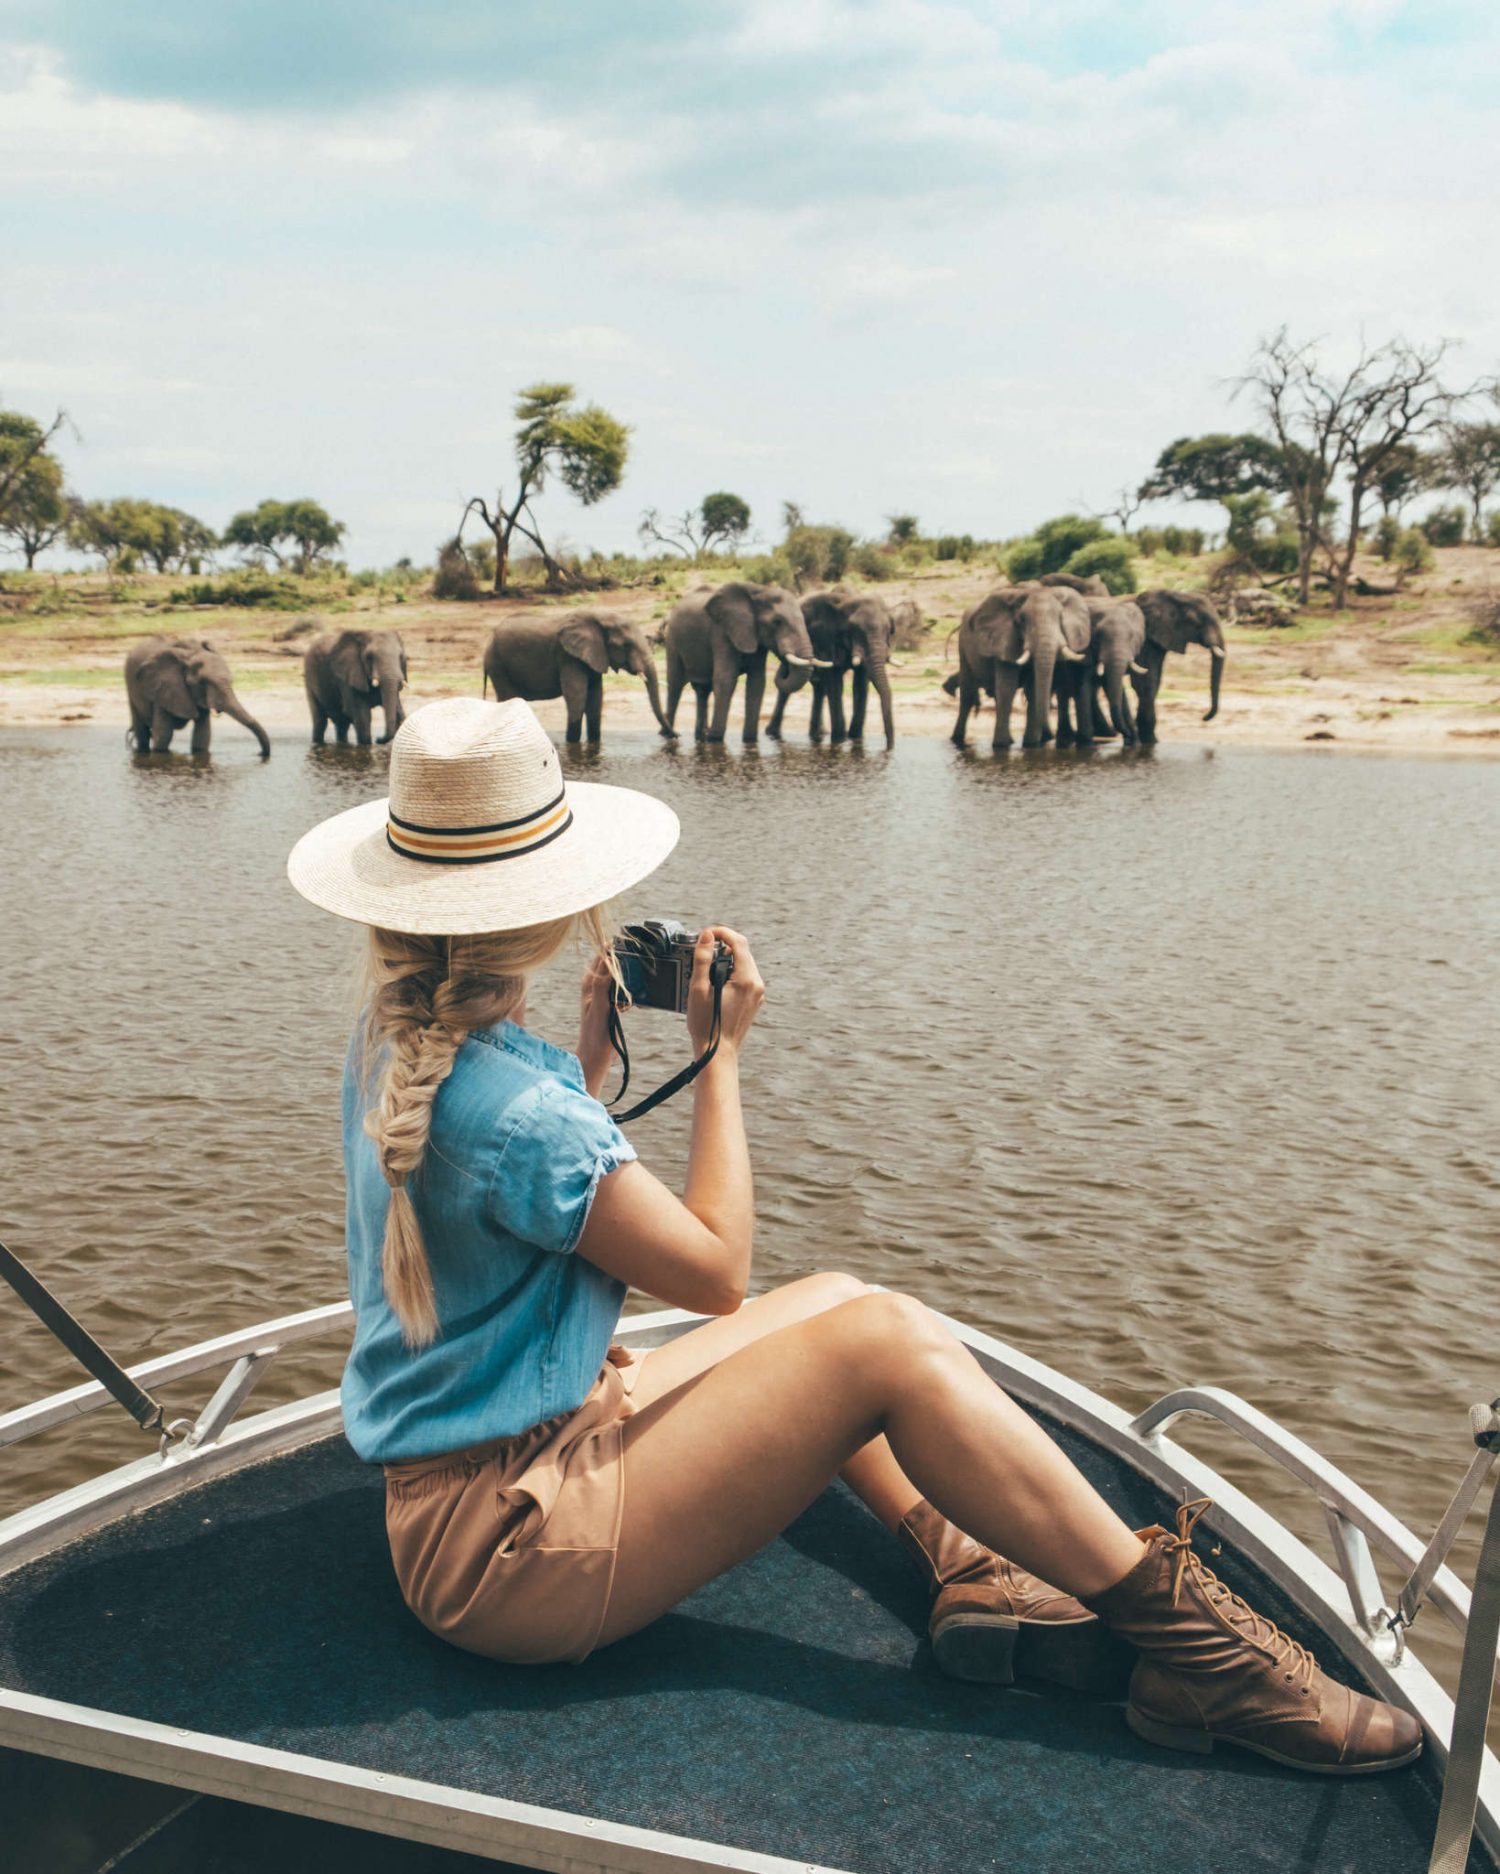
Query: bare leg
x=872, y=1473
x=718, y=1466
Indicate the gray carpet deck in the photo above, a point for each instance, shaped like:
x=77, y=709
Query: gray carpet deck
x=790, y=1707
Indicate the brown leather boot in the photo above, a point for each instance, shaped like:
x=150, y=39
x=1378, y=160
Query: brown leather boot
x=992, y=1622
x=1212, y=1670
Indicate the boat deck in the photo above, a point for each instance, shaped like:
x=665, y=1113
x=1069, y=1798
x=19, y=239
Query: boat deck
x=789, y=1708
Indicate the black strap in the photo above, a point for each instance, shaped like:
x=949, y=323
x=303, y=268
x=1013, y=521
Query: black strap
x=679, y=1080
x=145, y=1410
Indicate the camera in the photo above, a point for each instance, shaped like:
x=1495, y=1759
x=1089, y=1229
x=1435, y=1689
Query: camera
x=656, y=961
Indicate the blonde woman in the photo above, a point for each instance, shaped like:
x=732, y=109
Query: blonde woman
x=548, y=1492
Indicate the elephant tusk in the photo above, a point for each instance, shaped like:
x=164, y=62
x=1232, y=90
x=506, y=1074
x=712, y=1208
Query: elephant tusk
x=1216, y=650
x=801, y=663
x=1138, y=670
x=822, y=663
x=1024, y=658
x=1069, y=656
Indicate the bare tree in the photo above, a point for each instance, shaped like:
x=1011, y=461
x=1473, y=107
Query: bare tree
x=1327, y=425
x=1128, y=503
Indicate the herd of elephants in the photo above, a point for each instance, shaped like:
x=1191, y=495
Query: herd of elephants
x=1064, y=640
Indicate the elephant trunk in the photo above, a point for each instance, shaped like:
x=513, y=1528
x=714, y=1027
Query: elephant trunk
x=230, y=705
x=882, y=682
x=1039, y=729
x=390, y=703
x=653, y=692
x=1114, y=689
x=1216, y=674
x=791, y=676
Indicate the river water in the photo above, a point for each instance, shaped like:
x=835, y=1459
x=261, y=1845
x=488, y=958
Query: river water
x=1167, y=1066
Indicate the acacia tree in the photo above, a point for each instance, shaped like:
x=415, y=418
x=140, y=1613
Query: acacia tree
x=1469, y=459
x=36, y=509
x=585, y=448
x=299, y=533
x=722, y=520
x=1405, y=474
x=1213, y=468
x=1327, y=424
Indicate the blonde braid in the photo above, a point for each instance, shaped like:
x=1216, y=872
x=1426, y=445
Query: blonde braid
x=425, y=995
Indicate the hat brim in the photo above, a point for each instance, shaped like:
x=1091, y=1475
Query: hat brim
x=347, y=866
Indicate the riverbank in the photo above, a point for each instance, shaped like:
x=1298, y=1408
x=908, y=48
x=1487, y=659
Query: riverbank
x=1403, y=672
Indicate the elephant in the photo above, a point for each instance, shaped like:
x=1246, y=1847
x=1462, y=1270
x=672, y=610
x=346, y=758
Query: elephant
x=345, y=672
x=1087, y=585
x=1033, y=633
x=713, y=638
x=1174, y=620
x=174, y=681
x=537, y=658
x=1115, y=650
x=848, y=631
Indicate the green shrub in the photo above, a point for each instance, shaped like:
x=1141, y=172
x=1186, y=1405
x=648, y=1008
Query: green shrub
x=1025, y=560
x=1261, y=533
x=1492, y=528
x=1412, y=552
x=1148, y=542
x=1187, y=542
x=954, y=547
x=817, y=553
x=873, y=562
x=1445, y=527
x=1113, y=560
x=1387, y=533
x=275, y=592
x=771, y=569
x=454, y=576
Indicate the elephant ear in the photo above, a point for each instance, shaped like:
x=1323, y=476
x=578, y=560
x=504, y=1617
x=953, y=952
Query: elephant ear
x=995, y=629
x=166, y=681
x=583, y=638
x=1167, y=623
x=347, y=660
x=732, y=608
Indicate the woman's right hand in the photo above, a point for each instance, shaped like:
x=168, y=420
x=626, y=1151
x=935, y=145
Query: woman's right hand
x=742, y=996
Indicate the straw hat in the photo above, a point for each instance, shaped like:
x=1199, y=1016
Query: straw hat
x=480, y=833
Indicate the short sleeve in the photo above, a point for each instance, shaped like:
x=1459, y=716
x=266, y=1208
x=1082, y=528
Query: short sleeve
x=550, y=1166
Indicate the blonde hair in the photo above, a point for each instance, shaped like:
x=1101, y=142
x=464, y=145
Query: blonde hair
x=424, y=996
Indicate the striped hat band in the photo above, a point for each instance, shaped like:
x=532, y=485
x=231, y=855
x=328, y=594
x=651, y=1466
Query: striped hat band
x=480, y=845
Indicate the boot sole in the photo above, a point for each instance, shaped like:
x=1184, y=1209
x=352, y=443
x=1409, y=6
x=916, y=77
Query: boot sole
x=1201, y=1743
x=998, y=1649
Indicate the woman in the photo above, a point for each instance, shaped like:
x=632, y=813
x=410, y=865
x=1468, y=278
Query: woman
x=548, y=1492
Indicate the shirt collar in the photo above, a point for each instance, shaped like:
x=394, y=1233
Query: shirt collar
x=533, y=1048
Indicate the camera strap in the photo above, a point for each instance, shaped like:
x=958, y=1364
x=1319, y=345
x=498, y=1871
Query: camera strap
x=679, y=1080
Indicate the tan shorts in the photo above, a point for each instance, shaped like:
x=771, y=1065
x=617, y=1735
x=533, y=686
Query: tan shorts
x=508, y=1548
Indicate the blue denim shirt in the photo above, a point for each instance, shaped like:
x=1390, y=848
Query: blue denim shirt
x=516, y=1152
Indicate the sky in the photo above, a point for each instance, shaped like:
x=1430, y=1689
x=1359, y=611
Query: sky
x=975, y=262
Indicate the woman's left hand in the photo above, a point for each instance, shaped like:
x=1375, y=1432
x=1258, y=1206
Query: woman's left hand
x=595, y=1055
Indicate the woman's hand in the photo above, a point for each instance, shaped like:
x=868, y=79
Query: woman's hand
x=743, y=993
x=595, y=1055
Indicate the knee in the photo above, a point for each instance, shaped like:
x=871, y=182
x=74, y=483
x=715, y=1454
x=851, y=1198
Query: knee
x=896, y=1324
x=831, y=1287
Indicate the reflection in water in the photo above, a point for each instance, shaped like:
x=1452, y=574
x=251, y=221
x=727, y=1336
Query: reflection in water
x=1174, y=1065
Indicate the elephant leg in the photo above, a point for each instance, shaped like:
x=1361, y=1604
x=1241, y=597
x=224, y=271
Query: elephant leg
x=163, y=727
x=1069, y=710
x=140, y=730
x=341, y=729
x=861, y=698
x=1007, y=682
x=1145, y=715
x=700, y=729
x=755, y=690
x=726, y=675
x=968, y=700
x=815, y=715
x=593, y=709
x=773, y=727
x=202, y=730
x=836, y=726
x=359, y=715
x=320, y=722
x=574, y=678
x=676, y=684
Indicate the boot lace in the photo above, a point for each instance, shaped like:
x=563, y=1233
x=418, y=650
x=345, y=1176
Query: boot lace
x=1296, y=1663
